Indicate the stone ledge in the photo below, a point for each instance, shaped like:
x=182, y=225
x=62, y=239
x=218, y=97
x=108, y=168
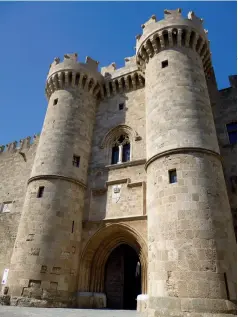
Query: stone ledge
x=126, y=164
x=135, y=217
x=182, y=150
x=65, y=178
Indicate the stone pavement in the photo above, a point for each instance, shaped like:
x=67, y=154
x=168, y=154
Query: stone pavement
x=10, y=311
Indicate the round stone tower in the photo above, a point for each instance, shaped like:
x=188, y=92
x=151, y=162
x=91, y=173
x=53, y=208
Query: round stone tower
x=44, y=264
x=191, y=242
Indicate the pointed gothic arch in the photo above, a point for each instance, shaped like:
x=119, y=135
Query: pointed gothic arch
x=96, y=252
x=114, y=133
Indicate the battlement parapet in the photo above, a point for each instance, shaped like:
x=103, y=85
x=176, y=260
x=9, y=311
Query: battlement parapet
x=123, y=79
x=112, y=72
x=108, y=70
x=224, y=92
x=70, y=61
x=20, y=145
x=173, y=31
x=71, y=73
x=121, y=84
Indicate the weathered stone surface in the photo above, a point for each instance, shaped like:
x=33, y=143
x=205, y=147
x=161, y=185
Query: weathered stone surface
x=164, y=99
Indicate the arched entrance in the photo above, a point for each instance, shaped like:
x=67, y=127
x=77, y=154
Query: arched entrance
x=95, y=255
x=122, y=278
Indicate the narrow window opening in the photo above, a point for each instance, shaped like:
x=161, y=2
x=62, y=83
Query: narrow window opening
x=72, y=229
x=165, y=64
x=121, y=150
x=40, y=191
x=232, y=132
x=173, y=176
x=126, y=153
x=115, y=154
x=76, y=161
x=121, y=106
x=55, y=102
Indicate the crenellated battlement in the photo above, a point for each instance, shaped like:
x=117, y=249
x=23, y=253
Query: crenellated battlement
x=173, y=31
x=124, y=79
x=111, y=70
x=71, y=60
x=72, y=74
x=20, y=145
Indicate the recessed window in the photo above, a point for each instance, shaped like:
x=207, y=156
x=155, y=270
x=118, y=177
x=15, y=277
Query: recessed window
x=232, y=132
x=172, y=176
x=165, y=64
x=121, y=106
x=76, y=161
x=126, y=152
x=55, y=102
x=115, y=154
x=40, y=191
x=6, y=207
x=121, y=150
x=72, y=228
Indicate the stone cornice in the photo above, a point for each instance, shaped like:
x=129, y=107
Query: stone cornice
x=55, y=176
x=121, y=219
x=126, y=164
x=182, y=150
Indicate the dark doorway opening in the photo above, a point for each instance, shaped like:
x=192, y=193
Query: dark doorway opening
x=122, y=278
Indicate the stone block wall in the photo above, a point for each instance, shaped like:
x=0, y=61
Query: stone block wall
x=224, y=114
x=15, y=169
x=130, y=176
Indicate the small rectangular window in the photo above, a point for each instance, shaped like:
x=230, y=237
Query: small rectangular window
x=232, y=132
x=55, y=101
x=76, y=161
x=40, y=191
x=172, y=176
x=121, y=106
x=72, y=228
x=165, y=64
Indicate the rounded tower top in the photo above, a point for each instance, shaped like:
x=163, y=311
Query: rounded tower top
x=71, y=73
x=173, y=31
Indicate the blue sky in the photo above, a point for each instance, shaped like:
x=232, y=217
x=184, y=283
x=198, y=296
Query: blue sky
x=33, y=33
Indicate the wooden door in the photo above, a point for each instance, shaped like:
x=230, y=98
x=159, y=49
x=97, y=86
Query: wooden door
x=114, y=279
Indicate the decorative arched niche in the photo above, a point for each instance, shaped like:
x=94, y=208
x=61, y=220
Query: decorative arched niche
x=121, y=133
